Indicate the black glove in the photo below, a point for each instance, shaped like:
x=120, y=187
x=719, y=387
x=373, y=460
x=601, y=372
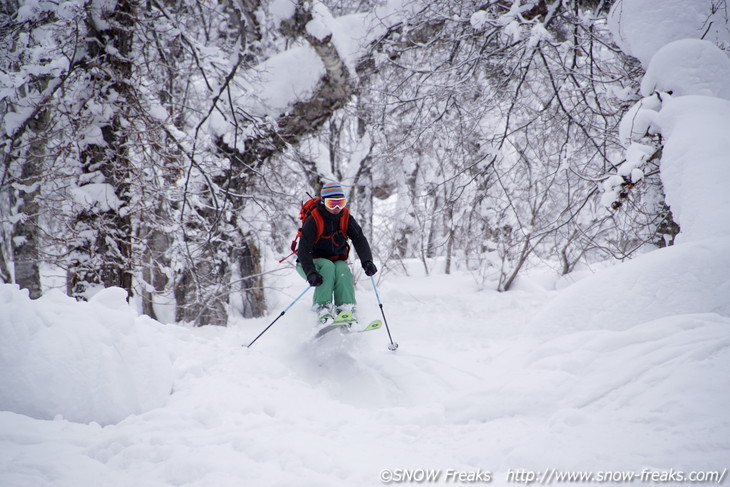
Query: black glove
x=369, y=268
x=314, y=279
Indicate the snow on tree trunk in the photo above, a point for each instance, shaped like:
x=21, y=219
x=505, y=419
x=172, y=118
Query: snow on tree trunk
x=102, y=249
x=26, y=231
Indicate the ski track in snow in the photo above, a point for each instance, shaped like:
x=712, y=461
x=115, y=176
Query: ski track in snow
x=468, y=389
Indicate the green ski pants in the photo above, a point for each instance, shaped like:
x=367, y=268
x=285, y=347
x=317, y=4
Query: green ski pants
x=337, y=280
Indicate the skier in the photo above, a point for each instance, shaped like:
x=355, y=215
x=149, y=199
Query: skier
x=322, y=259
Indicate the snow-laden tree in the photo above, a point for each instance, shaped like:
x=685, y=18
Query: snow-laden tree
x=634, y=189
x=164, y=146
x=497, y=121
x=154, y=124
x=79, y=125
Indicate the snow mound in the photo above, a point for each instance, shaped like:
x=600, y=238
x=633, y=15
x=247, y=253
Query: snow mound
x=695, y=166
x=683, y=279
x=87, y=362
x=642, y=27
x=688, y=67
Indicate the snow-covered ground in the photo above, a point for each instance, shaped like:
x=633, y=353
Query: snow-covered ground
x=482, y=383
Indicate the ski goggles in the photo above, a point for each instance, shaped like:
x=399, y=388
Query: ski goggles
x=335, y=203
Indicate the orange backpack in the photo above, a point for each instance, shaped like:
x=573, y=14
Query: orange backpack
x=310, y=208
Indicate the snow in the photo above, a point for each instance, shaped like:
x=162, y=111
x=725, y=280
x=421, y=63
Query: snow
x=636, y=155
x=101, y=196
x=13, y=120
x=693, y=120
x=538, y=34
x=695, y=166
x=282, y=10
x=655, y=285
x=640, y=120
x=99, y=10
x=292, y=75
x=477, y=384
x=642, y=27
x=86, y=362
x=159, y=112
x=478, y=20
x=283, y=80
x=351, y=35
x=688, y=67
x=319, y=26
x=513, y=31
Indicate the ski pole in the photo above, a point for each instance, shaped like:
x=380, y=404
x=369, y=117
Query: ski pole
x=282, y=314
x=393, y=345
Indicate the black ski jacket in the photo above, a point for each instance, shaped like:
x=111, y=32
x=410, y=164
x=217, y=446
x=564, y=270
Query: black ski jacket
x=334, y=248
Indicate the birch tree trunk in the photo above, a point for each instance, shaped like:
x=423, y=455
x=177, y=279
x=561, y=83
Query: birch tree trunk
x=26, y=232
x=26, y=259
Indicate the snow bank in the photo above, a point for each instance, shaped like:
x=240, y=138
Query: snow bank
x=653, y=394
x=647, y=340
x=88, y=362
x=692, y=277
x=683, y=279
x=466, y=390
x=658, y=388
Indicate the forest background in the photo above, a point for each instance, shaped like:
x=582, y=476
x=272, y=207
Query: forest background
x=165, y=147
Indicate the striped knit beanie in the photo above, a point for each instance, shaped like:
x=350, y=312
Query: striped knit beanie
x=332, y=190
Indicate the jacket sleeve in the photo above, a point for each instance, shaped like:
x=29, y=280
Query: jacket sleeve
x=305, y=252
x=362, y=247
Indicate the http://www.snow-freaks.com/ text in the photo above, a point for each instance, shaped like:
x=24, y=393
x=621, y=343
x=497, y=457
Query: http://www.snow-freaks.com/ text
x=550, y=476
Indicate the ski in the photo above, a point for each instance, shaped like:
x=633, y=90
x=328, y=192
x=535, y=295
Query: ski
x=343, y=319
x=345, y=322
x=373, y=325
x=328, y=328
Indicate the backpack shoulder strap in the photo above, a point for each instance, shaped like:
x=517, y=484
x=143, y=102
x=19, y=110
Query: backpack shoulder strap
x=318, y=221
x=309, y=208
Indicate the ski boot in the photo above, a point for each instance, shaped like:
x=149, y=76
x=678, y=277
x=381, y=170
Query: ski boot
x=324, y=314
